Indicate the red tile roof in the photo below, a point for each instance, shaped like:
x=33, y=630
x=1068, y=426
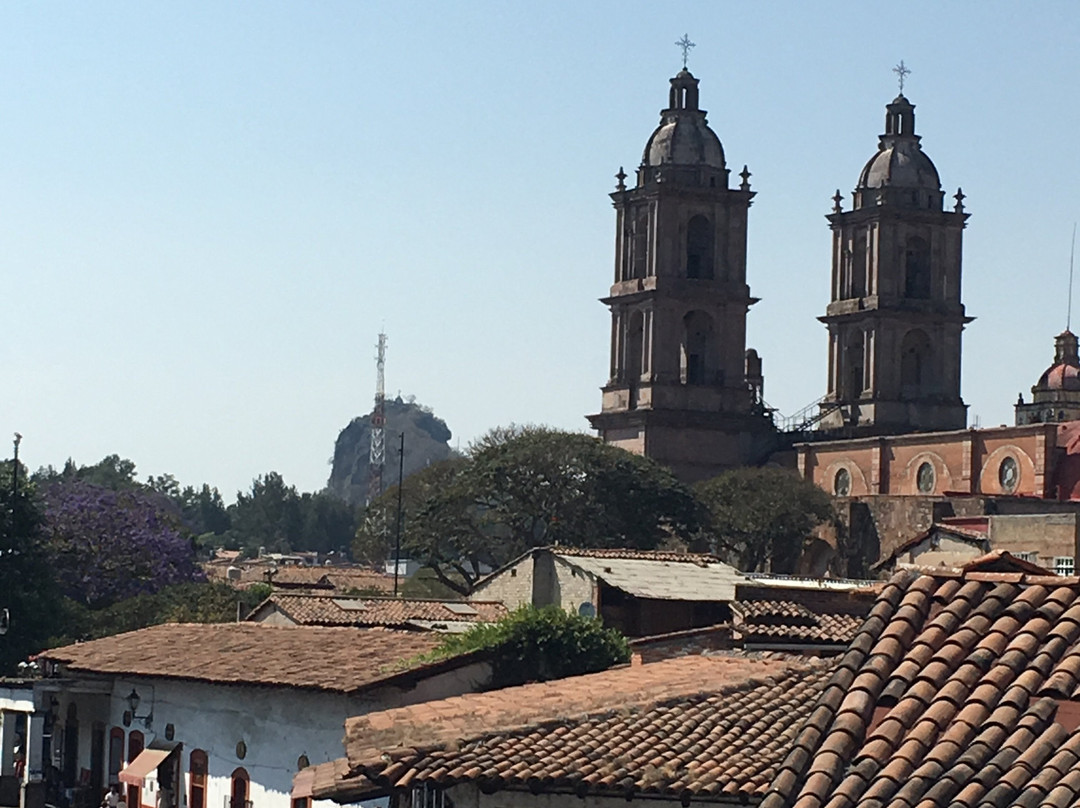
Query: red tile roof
x=335, y=659
x=959, y=690
x=335, y=610
x=702, y=726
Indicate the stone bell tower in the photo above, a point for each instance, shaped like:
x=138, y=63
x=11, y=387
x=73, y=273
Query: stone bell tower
x=895, y=316
x=683, y=389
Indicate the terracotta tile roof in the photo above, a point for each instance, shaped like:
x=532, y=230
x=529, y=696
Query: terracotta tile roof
x=958, y=690
x=706, y=726
x=333, y=610
x=335, y=659
x=323, y=578
x=636, y=555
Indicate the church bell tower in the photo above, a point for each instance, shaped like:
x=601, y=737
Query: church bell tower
x=895, y=317
x=683, y=389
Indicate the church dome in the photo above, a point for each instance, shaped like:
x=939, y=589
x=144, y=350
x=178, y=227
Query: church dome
x=683, y=137
x=900, y=161
x=1064, y=374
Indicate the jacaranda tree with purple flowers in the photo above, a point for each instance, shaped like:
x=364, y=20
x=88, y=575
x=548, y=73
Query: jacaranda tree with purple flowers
x=107, y=545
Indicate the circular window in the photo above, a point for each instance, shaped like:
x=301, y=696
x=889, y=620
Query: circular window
x=841, y=484
x=924, y=478
x=1009, y=474
x=241, y=750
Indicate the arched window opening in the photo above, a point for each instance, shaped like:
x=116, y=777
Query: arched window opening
x=699, y=248
x=635, y=355
x=135, y=746
x=116, y=754
x=858, y=266
x=698, y=362
x=197, y=767
x=915, y=365
x=854, y=374
x=70, y=770
x=917, y=269
x=640, y=245
x=238, y=793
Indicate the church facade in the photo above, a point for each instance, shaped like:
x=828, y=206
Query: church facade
x=889, y=439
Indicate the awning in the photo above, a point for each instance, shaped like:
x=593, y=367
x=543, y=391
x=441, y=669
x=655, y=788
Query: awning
x=145, y=762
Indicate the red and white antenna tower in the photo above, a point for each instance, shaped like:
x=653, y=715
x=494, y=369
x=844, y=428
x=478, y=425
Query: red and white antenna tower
x=377, y=458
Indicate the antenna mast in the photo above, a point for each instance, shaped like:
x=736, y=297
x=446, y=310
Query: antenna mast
x=1072, y=253
x=377, y=458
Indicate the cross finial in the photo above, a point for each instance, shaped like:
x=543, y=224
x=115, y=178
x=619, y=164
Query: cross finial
x=686, y=45
x=959, y=197
x=902, y=73
x=745, y=174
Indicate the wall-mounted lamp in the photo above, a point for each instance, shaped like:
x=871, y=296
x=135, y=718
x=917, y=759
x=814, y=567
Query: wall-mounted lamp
x=133, y=705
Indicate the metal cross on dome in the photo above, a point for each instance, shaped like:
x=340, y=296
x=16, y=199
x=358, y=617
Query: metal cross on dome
x=686, y=45
x=902, y=72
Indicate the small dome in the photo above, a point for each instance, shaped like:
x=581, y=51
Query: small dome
x=684, y=140
x=683, y=137
x=1060, y=377
x=900, y=161
x=900, y=165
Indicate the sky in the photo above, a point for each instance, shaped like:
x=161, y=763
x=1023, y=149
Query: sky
x=209, y=210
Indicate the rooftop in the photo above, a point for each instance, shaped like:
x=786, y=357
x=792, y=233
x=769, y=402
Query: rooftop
x=313, y=657
x=336, y=610
x=715, y=725
x=961, y=689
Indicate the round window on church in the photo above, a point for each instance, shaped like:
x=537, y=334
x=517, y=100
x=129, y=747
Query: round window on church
x=841, y=484
x=924, y=478
x=1009, y=474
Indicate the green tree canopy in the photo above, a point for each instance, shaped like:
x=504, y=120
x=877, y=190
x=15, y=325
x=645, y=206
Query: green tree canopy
x=27, y=589
x=536, y=645
x=761, y=518
x=523, y=487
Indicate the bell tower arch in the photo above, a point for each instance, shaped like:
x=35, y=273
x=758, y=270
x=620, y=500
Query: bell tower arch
x=678, y=389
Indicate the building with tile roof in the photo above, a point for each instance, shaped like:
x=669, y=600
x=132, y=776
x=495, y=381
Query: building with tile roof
x=960, y=689
x=638, y=592
x=311, y=609
x=704, y=728
x=200, y=715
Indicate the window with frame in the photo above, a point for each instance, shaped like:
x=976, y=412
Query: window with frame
x=197, y=768
x=1025, y=555
x=1064, y=565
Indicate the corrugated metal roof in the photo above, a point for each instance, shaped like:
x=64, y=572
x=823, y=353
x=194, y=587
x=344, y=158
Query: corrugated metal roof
x=663, y=580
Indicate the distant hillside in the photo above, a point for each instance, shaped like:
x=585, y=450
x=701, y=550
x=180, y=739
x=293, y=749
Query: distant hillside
x=427, y=440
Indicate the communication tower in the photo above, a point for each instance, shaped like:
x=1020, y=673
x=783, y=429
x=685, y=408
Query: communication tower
x=377, y=457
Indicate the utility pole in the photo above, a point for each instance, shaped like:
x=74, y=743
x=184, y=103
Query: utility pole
x=15, y=473
x=397, y=532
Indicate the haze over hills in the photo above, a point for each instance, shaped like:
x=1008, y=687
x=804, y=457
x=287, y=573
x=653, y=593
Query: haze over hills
x=427, y=440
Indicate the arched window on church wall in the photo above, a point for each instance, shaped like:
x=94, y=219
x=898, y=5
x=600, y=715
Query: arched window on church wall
x=853, y=378
x=635, y=342
x=698, y=361
x=699, y=248
x=917, y=278
x=640, y=258
x=915, y=355
x=858, y=266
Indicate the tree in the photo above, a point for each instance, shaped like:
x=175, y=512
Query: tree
x=27, y=590
x=537, y=645
x=107, y=545
x=761, y=518
x=269, y=516
x=522, y=487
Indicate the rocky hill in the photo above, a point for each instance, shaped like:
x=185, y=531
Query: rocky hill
x=427, y=440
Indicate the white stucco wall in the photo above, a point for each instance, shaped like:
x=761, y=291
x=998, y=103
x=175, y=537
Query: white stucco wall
x=276, y=724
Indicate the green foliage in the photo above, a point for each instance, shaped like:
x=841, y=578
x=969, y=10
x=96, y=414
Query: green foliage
x=27, y=588
x=536, y=645
x=761, y=518
x=275, y=516
x=523, y=487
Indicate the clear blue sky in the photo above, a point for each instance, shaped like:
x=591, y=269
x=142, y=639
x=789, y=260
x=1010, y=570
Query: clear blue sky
x=208, y=210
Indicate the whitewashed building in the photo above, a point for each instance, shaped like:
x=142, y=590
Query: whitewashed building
x=219, y=716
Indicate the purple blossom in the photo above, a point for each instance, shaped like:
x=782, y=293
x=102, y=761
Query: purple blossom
x=108, y=545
